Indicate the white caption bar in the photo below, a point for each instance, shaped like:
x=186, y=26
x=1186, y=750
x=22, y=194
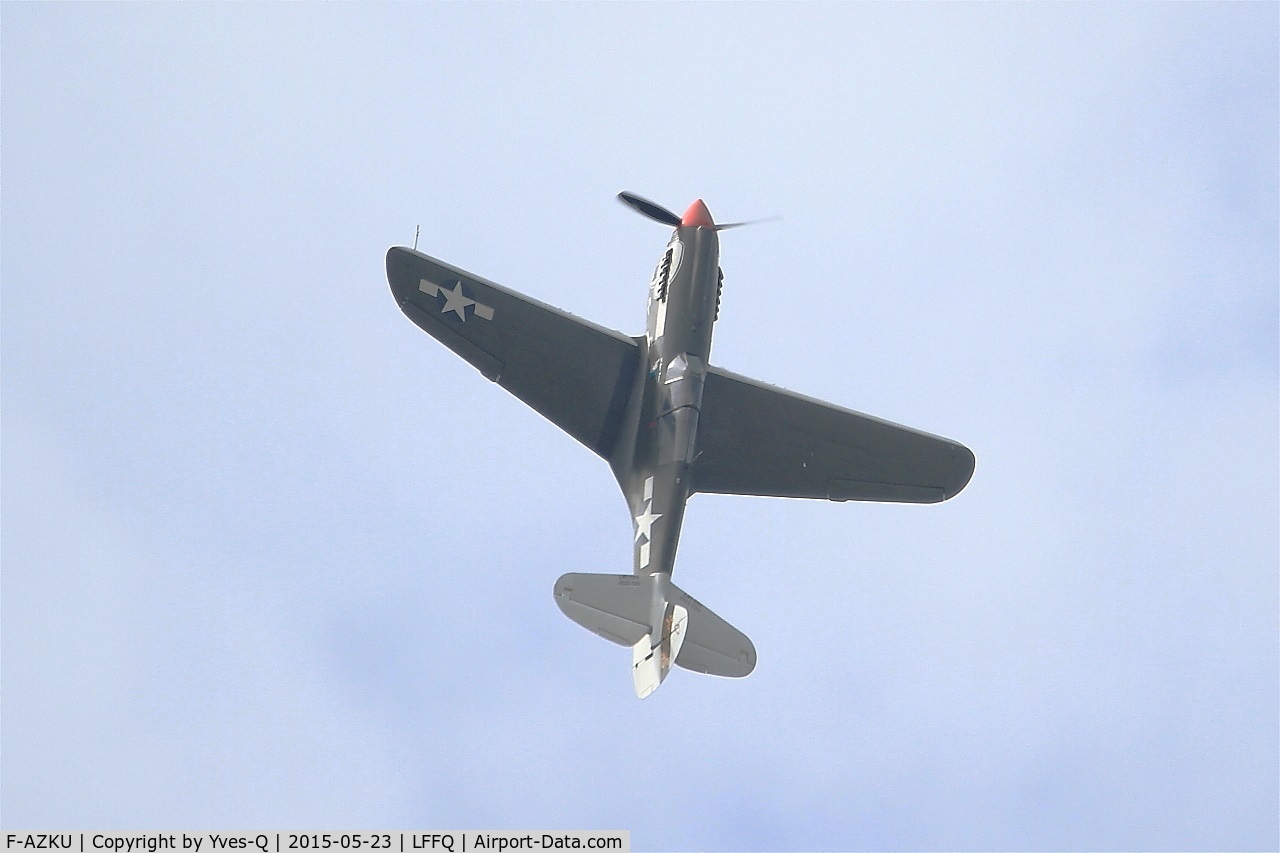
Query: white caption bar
x=455, y=841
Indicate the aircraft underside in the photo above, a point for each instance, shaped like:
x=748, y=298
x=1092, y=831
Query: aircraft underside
x=669, y=424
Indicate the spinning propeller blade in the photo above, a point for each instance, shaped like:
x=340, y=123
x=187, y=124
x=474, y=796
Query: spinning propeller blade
x=696, y=214
x=748, y=222
x=643, y=206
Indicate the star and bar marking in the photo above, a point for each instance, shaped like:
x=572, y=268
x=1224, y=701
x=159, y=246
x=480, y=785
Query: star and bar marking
x=456, y=300
x=644, y=522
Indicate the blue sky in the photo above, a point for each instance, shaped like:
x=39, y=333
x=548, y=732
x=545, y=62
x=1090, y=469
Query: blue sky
x=274, y=558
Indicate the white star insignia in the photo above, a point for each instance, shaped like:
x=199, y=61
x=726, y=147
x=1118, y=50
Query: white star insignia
x=644, y=522
x=456, y=301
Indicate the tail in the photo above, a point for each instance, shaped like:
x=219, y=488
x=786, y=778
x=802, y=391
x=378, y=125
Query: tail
x=662, y=624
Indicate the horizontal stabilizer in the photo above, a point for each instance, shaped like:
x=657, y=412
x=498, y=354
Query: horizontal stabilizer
x=633, y=611
x=711, y=645
x=614, y=606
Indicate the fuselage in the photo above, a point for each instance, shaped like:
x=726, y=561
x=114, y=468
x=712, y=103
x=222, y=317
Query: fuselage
x=652, y=459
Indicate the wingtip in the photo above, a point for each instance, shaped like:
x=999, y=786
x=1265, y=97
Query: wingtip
x=966, y=462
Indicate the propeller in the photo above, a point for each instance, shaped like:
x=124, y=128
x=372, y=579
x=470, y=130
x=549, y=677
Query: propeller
x=658, y=213
x=653, y=210
x=728, y=225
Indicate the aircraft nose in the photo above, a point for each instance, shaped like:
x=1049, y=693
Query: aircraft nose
x=697, y=214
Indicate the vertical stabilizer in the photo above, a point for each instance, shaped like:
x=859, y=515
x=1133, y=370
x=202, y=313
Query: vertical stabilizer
x=650, y=660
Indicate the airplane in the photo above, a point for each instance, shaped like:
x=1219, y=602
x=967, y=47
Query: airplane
x=670, y=424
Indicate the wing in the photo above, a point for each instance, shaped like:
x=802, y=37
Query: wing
x=574, y=373
x=755, y=439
